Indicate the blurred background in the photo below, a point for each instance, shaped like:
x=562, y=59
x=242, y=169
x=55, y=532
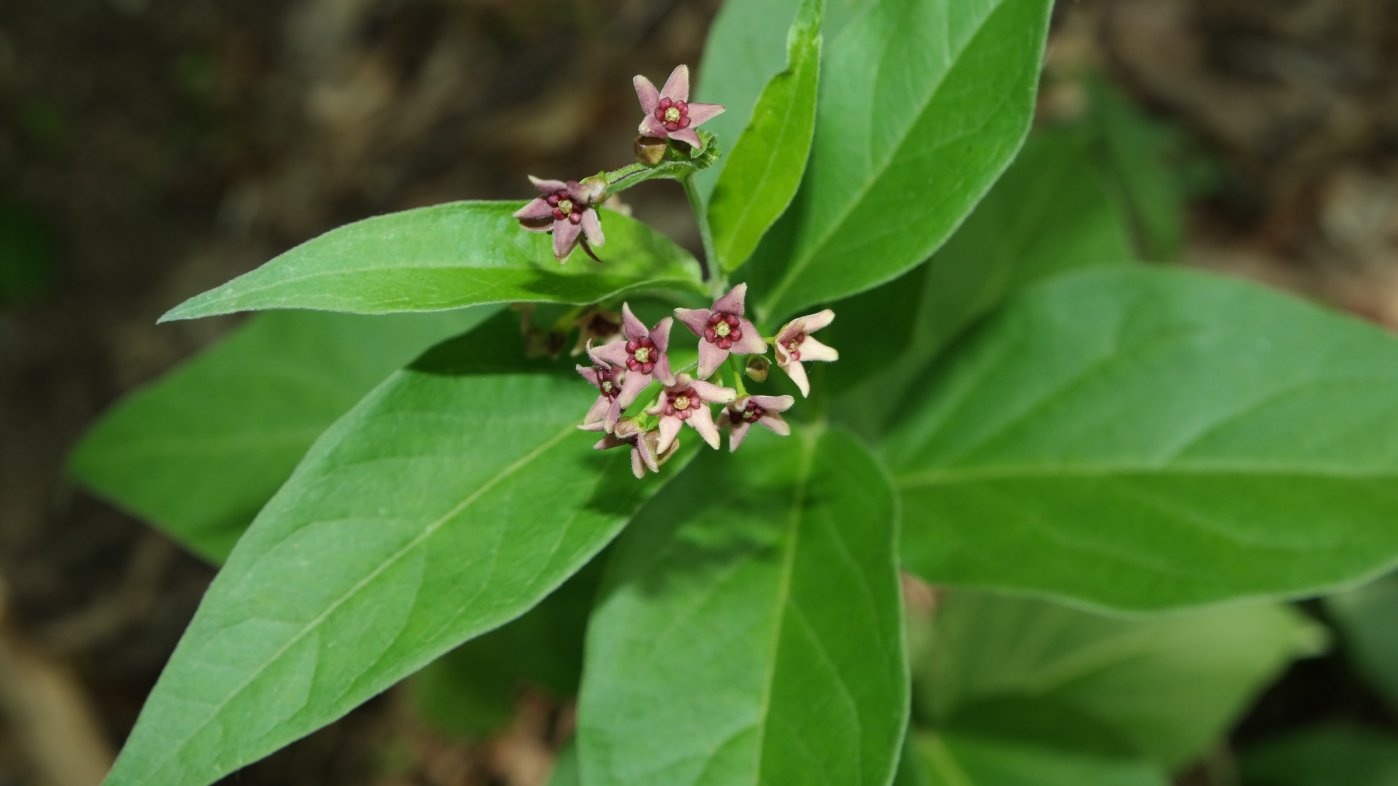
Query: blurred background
x=152, y=149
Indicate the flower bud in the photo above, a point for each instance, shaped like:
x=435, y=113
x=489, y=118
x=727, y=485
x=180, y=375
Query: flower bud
x=650, y=150
x=757, y=368
x=595, y=189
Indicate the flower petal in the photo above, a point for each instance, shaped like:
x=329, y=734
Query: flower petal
x=736, y=431
x=613, y=354
x=577, y=193
x=638, y=467
x=702, y=421
x=687, y=136
x=598, y=411
x=645, y=447
x=677, y=86
x=812, y=349
x=669, y=429
x=588, y=373
x=652, y=127
x=818, y=320
x=789, y=331
x=613, y=414
x=565, y=238
x=798, y=375
x=733, y=301
x=536, y=210
x=662, y=371
x=592, y=227
x=752, y=343
x=698, y=113
x=547, y=187
x=773, y=403
x=775, y=424
x=696, y=319
x=646, y=92
x=710, y=358
x=631, y=387
x=630, y=325
x=716, y=394
x=660, y=336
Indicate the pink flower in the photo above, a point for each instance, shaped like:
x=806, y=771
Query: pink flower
x=645, y=454
x=568, y=210
x=763, y=410
x=686, y=402
x=641, y=352
x=607, y=408
x=668, y=111
x=795, y=346
x=721, y=330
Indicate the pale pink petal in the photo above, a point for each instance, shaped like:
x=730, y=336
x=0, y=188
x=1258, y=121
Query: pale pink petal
x=613, y=414
x=637, y=467
x=699, y=113
x=773, y=403
x=736, y=431
x=662, y=372
x=669, y=429
x=643, y=449
x=660, y=337
x=588, y=373
x=752, y=343
x=775, y=423
x=814, y=350
x=613, y=353
x=536, y=210
x=646, y=92
x=577, y=193
x=547, y=187
x=696, y=319
x=732, y=302
x=798, y=375
x=818, y=320
x=710, y=358
x=592, y=227
x=716, y=394
x=687, y=136
x=702, y=421
x=631, y=326
x=782, y=357
x=598, y=411
x=677, y=86
x=565, y=238
x=652, y=127
x=631, y=387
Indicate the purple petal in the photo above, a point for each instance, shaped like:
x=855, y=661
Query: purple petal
x=773, y=403
x=798, y=375
x=702, y=421
x=577, y=193
x=687, y=136
x=613, y=354
x=698, y=113
x=775, y=424
x=536, y=210
x=669, y=429
x=547, y=187
x=818, y=320
x=696, y=319
x=677, y=86
x=565, y=238
x=588, y=373
x=652, y=127
x=646, y=92
x=710, y=358
x=715, y=394
x=736, y=432
x=631, y=326
x=814, y=350
x=660, y=336
x=598, y=411
x=592, y=227
x=752, y=343
x=662, y=370
x=732, y=302
x=789, y=330
x=613, y=413
x=631, y=387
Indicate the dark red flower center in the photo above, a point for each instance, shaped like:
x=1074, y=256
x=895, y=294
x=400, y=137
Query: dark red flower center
x=681, y=403
x=750, y=413
x=641, y=355
x=722, y=329
x=674, y=115
x=606, y=381
x=564, y=209
x=793, y=345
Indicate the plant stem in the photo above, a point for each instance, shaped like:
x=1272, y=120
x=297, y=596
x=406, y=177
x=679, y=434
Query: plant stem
x=701, y=217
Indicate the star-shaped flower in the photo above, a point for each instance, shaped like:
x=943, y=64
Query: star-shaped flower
x=721, y=330
x=641, y=352
x=568, y=209
x=686, y=401
x=795, y=346
x=607, y=408
x=763, y=410
x=645, y=454
x=668, y=111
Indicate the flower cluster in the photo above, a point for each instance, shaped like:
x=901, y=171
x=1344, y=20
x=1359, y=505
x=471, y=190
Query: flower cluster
x=625, y=368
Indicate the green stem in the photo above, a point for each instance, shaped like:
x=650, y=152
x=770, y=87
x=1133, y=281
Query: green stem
x=701, y=217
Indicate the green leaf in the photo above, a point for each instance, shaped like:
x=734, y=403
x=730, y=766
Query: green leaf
x=922, y=105
x=766, y=163
x=750, y=626
x=448, y=256
x=1148, y=439
x=1163, y=688
x=1368, y=621
x=1325, y=756
x=565, y=767
x=1049, y=214
x=200, y=450
x=953, y=759
x=449, y=501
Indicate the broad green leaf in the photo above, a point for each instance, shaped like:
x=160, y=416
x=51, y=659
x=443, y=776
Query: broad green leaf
x=444, y=257
x=1050, y=213
x=200, y=450
x=565, y=767
x=1149, y=439
x=750, y=627
x=1325, y=756
x=1163, y=688
x=922, y=105
x=766, y=163
x=447, y=502
x=1368, y=621
x=953, y=759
